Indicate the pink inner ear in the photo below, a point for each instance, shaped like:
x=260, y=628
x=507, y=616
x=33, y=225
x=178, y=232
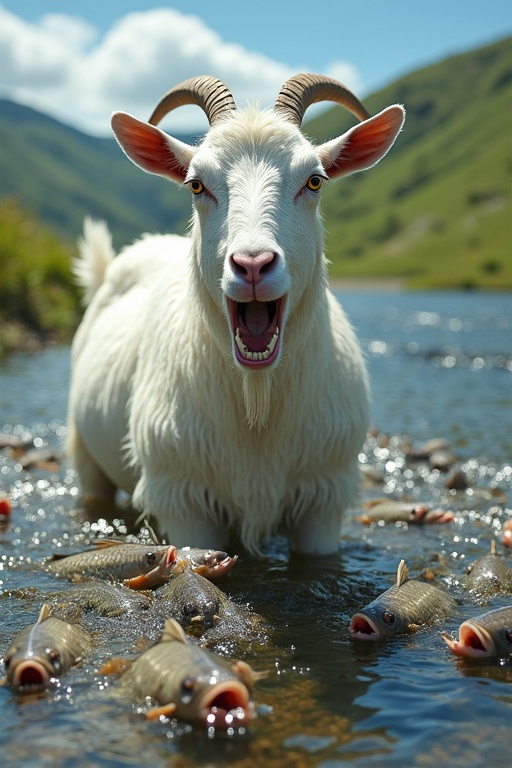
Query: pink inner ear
x=147, y=147
x=366, y=143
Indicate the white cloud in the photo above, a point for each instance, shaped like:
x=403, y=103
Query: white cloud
x=60, y=66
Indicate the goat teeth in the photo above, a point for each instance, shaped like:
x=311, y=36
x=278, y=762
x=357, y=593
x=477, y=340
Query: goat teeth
x=245, y=352
x=241, y=346
x=273, y=342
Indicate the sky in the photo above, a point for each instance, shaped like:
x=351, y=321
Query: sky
x=79, y=62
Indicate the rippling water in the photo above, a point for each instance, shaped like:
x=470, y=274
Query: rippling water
x=441, y=367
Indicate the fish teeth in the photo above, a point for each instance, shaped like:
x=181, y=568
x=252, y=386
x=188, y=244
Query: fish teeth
x=245, y=352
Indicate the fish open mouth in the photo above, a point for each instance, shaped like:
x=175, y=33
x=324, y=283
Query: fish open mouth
x=363, y=628
x=226, y=706
x=30, y=675
x=213, y=571
x=256, y=328
x=473, y=642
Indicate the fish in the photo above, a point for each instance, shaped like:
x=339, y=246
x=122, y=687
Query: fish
x=390, y=511
x=488, y=635
x=402, y=609
x=100, y=596
x=138, y=566
x=190, y=683
x=44, y=651
x=489, y=573
x=213, y=564
x=193, y=600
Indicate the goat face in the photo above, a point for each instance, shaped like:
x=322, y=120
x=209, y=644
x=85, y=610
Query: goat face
x=256, y=208
x=257, y=239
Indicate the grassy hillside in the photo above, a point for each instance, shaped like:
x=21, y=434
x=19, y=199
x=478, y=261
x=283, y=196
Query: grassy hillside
x=63, y=175
x=437, y=210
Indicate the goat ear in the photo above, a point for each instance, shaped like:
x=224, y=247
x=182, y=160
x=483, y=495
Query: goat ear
x=152, y=149
x=363, y=145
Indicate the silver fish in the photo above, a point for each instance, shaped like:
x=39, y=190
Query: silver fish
x=103, y=598
x=489, y=574
x=403, y=608
x=190, y=683
x=486, y=636
x=42, y=652
x=138, y=566
x=192, y=600
x=389, y=511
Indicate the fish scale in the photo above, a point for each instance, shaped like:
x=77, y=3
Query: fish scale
x=139, y=566
x=402, y=608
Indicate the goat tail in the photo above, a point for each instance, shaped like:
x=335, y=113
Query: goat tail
x=95, y=254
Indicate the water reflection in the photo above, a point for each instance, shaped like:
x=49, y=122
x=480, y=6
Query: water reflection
x=439, y=369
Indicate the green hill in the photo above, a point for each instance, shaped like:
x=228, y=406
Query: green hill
x=436, y=212
x=63, y=175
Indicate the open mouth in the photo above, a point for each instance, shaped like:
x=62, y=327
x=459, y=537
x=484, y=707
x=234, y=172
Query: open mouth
x=363, y=628
x=256, y=328
x=473, y=642
x=227, y=707
x=30, y=676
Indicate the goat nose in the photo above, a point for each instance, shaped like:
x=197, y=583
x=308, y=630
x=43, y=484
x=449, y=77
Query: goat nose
x=252, y=266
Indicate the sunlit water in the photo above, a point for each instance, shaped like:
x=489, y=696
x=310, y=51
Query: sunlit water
x=441, y=367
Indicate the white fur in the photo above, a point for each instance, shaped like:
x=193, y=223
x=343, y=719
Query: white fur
x=158, y=404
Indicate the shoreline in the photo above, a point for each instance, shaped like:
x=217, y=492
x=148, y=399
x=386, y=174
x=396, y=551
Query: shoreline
x=367, y=285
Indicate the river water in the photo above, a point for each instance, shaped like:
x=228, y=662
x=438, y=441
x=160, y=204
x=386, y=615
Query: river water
x=441, y=366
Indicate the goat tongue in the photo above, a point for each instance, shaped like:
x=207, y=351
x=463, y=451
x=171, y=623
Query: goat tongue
x=257, y=323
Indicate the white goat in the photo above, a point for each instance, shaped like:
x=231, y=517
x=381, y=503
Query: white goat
x=215, y=377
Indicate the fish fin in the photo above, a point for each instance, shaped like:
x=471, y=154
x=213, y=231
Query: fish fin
x=101, y=543
x=364, y=519
x=3, y=681
x=115, y=665
x=44, y=613
x=493, y=547
x=59, y=556
x=402, y=573
x=413, y=628
x=173, y=631
x=247, y=674
x=167, y=710
x=138, y=582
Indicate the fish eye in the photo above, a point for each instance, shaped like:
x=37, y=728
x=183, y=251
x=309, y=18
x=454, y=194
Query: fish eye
x=187, y=688
x=196, y=186
x=189, y=609
x=469, y=569
x=388, y=617
x=7, y=661
x=150, y=558
x=54, y=657
x=508, y=635
x=314, y=183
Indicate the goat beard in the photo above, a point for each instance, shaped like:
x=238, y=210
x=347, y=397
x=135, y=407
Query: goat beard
x=257, y=391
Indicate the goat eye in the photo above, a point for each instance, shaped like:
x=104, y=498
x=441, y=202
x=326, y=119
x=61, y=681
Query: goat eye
x=314, y=183
x=196, y=187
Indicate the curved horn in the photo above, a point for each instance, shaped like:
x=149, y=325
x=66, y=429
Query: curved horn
x=300, y=91
x=206, y=92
